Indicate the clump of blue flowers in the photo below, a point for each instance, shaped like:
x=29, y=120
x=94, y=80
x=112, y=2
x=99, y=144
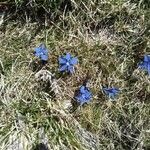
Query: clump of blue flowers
x=67, y=63
x=145, y=64
x=111, y=92
x=41, y=52
x=83, y=95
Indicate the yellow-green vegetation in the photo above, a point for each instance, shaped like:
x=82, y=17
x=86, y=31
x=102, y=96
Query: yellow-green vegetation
x=110, y=38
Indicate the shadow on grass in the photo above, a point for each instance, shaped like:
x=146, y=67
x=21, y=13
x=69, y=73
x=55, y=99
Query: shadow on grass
x=36, y=66
x=40, y=146
x=35, y=10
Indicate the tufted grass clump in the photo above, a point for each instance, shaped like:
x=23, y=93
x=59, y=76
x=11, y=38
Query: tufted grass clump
x=110, y=39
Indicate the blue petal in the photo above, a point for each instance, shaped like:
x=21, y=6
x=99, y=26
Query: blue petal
x=63, y=68
x=45, y=51
x=74, y=61
x=147, y=58
x=78, y=97
x=62, y=60
x=111, y=95
x=148, y=68
x=84, y=95
x=88, y=96
x=115, y=90
x=37, y=51
x=68, y=57
x=41, y=52
x=81, y=99
x=44, y=57
x=70, y=69
x=42, y=46
x=37, y=54
x=142, y=65
x=82, y=102
x=111, y=92
x=82, y=89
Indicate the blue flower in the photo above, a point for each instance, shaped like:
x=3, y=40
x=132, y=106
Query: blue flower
x=67, y=63
x=145, y=64
x=111, y=92
x=41, y=52
x=84, y=95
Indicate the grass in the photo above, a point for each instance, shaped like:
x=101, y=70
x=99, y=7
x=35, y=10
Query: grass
x=109, y=38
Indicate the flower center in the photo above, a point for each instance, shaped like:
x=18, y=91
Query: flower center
x=41, y=53
x=83, y=96
x=67, y=64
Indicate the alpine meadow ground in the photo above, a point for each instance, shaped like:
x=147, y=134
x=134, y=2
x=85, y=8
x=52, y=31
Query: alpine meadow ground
x=37, y=102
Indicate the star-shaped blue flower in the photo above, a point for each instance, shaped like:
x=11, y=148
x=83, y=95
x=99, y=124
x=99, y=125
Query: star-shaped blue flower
x=84, y=95
x=111, y=92
x=67, y=63
x=145, y=64
x=41, y=52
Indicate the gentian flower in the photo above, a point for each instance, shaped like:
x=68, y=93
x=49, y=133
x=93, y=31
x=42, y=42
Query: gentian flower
x=111, y=92
x=67, y=63
x=145, y=64
x=41, y=52
x=83, y=95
